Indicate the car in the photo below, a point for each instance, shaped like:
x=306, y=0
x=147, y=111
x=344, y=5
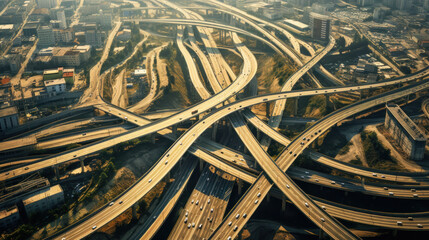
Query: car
x=196, y=203
x=74, y=155
x=413, y=190
x=200, y=226
x=382, y=176
x=290, y=152
x=7, y=173
x=186, y=214
x=192, y=202
x=410, y=218
x=235, y=228
x=256, y=201
x=189, y=225
x=208, y=179
x=306, y=172
x=419, y=225
x=26, y=168
x=230, y=223
x=168, y=154
x=322, y=219
x=208, y=201
x=317, y=180
x=244, y=215
x=323, y=207
x=374, y=174
x=83, y=134
x=166, y=162
x=193, y=224
x=120, y=202
x=237, y=216
x=111, y=203
x=391, y=194
x=332, y=182
x=94, y=227
x=229, y=238
x=294, y=155
x=287, y=185
x=150, y=180
x=259, y=194
x=399, y=223
x=306, y=204
x=186, y=220
x=415, y=195
x=201, y=208
x=302, y=177
x=385, y=188
x=303, y=138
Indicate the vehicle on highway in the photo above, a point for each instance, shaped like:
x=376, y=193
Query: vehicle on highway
x=94, y=227
x=194, y=112
x=111, y=203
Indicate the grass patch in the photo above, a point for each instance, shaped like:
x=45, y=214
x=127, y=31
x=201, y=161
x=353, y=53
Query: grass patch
x=377, y=156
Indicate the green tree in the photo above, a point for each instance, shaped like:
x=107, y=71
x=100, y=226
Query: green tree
x=341, y=44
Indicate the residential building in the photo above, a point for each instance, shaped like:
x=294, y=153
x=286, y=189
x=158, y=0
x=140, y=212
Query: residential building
x=85, y=52
x=43, y=200
x=405, y=132
x=93, y=38
x=55, y=86
x=61, y=16
x=63, y=35
x=297, y=25
x=320, y=26
x=8, y=118
x=46, y=36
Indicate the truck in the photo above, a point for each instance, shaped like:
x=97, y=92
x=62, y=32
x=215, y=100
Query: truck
x=194, y=112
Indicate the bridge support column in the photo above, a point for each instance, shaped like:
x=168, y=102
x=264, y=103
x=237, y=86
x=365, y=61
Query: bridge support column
x=296, y=106
x=201, y=165
x=134, y=211
x=268, y=197
x=283, y=204
x=240, y=186
x=395, y=232
x=82, y=164
x=167, y=177
x=214, y=130
x=174, y=129
x=57, y=172
x=346, y=193
x=363, y=181
x=152, y=138
x=267, y=109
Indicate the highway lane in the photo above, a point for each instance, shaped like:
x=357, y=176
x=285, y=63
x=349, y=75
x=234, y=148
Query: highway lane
x=247, y=73
x=286, y=158
x=177, y=118
x=167, y=203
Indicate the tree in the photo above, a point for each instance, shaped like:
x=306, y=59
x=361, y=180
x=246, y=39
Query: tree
x=341, y=44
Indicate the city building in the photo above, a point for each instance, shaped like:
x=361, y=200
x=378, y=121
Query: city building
x=66, y=56
x=61, y=16
x=405, y=132
x=93, y=38
x=63, y=35
x=47, y=3
x=30, y=29
x=85, y=52
x=43, y=200
x=365, y=3
x=55, y=86
x=8, y=118
x=320, y=26
x=140, y=72
x=9, y=217
x=297, y=25
x=46, y=36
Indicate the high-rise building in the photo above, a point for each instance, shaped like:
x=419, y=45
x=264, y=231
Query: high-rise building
x=46, y=36
x=93, y=38
x=405, y=132
x=403, y=4
x=47, y=3
x=61, y=16
x=426, y=4
x=320, y=26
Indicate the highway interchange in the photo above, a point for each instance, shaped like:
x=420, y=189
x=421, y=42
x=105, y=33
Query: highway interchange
x=224, y=104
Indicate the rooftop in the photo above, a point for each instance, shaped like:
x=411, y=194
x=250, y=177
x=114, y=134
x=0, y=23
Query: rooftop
x=8, y=212
x=8, y=111
x=296, y=23
x=55, y=82
x=41, y=194
x=413, y=130
x=6, y=27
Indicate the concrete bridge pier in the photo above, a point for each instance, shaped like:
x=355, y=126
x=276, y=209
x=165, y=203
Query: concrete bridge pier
x=82, y=164
x=268, y=197
x=174, y=128
x=267, y=109
x=214, y=130
x=295, y=110
x=201, y=165
x=134, y=211
x=167, y=177
x=57, y=172
x=283, y=203
x=240, y=186
x=152, y=138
